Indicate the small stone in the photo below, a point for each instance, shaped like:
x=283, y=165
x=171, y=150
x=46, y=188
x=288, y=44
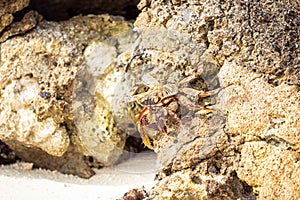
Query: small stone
x=136, y=194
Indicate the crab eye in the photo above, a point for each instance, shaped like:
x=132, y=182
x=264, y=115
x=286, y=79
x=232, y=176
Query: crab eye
x=156, y=99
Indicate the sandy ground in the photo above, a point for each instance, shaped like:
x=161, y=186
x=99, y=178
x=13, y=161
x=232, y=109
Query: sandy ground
x=17, y=182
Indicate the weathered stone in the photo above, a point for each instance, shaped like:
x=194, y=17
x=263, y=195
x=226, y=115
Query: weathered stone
x=205, y=169
x=265, y=119
x=8, y=28
x=197, y=184
x=273, y=171
x=40, y=75
x=28, y=22
x=236, y=30
x=258, y=110
x=135, y=194
x=252, y=45
x=7, y=8
x=20, y=123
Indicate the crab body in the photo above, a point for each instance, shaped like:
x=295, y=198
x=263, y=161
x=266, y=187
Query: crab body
x=161, y=104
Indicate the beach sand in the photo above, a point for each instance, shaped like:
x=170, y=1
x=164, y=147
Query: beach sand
x=19, y=181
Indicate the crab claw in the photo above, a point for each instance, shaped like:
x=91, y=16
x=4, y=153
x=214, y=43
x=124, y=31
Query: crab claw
x=146, y=139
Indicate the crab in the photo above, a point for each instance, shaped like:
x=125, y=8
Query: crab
x=161, y=102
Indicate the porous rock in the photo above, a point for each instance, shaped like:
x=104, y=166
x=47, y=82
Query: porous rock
x=9, y=27
x=40, y=76
x=236, y=30
x=28, y=22
x=254, y=45
x=8, y=8
x=264, y=120
x=273, y=171
x=135, y=194
x=258, y=110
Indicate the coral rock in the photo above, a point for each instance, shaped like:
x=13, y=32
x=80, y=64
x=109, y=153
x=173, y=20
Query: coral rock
x=40, y=75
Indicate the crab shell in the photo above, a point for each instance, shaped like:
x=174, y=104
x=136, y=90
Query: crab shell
x=156, y=96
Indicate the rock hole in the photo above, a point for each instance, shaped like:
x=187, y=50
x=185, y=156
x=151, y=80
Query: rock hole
x=135, y=144
x=7, y=156
x=91, y=159
x=30, y=75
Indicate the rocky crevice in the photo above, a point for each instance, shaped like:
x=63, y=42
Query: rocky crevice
x=245, y=39
x=252, y=142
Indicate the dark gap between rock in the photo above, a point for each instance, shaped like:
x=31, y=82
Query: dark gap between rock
x=65, y=9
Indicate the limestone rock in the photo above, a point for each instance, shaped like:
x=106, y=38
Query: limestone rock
x=235, y=30
x=8, y=8
x=258, y=110
x=253, y=46
x=28, y=22
x=8, y=28
x=273, y=171
x=265, y=119
x=40, y=75
x=206, y=169
x=137, y=193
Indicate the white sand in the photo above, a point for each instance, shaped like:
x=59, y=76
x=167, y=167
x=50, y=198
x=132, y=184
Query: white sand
x=109, y=183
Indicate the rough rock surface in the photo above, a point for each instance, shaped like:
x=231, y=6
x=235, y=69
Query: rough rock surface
x=7, y=8
x=236, y=30
x=274, y=108
x=264, y=121
x=28, y=22
x=239, y=150
x=40, y=74
x=272, y=170
x=250, y=141
x=135, y=194
x=8, y=28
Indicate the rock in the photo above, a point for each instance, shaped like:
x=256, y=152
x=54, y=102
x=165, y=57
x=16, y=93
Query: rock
x=28, y=22
x=8, y=28
x=265, y=119
x=260, y=111
x=136, y=194
x=20, y=122
x=235, y=30
x=8, y=8
x=251, y=46
x=42, y=72
x=263, y=164
x=93, y=96
x=203, y=171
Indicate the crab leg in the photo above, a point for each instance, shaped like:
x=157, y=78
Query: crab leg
x=193, y=76
x=142, y=122
x=146, y=139
x=191, y=106
x=201, y=94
